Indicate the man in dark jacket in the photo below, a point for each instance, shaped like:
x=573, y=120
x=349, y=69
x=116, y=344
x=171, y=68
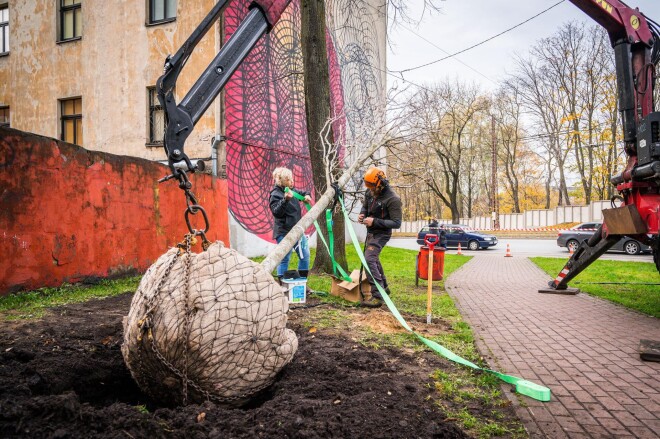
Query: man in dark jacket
x=381, y=213
x=287, y=212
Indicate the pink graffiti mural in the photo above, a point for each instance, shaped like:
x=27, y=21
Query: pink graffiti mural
x=265, y=117
x=265, y=101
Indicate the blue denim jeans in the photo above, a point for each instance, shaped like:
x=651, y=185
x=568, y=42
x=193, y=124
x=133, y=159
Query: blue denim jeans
x=302, y=249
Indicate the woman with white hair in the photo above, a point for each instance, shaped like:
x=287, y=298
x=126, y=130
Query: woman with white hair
x=287, y=212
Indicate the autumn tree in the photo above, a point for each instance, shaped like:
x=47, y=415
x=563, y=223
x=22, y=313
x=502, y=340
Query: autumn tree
x=442, y=116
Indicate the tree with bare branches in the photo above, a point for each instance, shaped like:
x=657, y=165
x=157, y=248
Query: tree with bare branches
x=442, y=118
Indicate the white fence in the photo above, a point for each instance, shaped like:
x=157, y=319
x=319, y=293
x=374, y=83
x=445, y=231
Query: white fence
x=530, y=219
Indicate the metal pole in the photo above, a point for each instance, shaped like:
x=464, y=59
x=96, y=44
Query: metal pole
x=429, y=293
x=494, y=200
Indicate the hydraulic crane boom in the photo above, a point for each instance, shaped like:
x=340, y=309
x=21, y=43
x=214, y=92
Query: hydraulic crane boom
x=181, y=118
x=636, y=40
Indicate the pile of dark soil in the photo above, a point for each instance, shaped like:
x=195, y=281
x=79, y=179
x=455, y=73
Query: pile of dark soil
x=64, y=376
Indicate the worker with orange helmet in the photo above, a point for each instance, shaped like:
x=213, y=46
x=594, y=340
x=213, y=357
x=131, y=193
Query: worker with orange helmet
x=381, y=212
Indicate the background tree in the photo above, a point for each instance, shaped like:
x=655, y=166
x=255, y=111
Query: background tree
x=544, y=104
x=441, y=116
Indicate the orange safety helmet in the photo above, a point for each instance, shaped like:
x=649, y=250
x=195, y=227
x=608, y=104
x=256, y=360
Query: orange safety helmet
x=374, y=177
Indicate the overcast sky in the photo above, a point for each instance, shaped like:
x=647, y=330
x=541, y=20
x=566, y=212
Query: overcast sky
x=463, y=23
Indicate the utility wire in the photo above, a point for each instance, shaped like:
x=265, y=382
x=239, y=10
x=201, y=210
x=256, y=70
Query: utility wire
x=482, y=42
x=434, y=45
x=443, y=50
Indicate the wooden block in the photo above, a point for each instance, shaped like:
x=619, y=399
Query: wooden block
x=566, y=292
x=649, y=350
x=624, y=220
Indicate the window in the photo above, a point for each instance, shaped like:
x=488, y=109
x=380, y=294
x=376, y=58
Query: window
x=70, y=19
x=72, y=121
x=4, y=29
x=162, y=10
x=156, y=118
x=4, y=116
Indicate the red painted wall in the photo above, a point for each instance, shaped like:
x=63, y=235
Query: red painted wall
x=67, y=214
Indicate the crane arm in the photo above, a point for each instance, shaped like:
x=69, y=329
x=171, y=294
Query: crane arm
x=619, y=20
x=634, y=38
x=181, y=118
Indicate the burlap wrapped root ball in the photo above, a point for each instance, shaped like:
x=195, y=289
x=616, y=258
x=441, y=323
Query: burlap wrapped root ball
x=236, y=340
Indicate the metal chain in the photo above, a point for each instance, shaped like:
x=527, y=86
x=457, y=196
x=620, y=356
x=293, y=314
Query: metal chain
x=192, y=205
x=145, y=323
x=186, y=316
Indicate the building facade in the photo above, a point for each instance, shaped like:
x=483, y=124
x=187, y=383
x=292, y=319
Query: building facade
x=84, y=71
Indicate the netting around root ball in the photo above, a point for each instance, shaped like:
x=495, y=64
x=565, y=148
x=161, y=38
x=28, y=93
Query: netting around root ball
x=223, y=338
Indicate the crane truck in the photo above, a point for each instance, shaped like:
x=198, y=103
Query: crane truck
x=635, y=39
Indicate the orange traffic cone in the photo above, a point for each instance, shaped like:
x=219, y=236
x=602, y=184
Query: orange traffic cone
x=570, y=251
x=508, y=252
x=459, y=252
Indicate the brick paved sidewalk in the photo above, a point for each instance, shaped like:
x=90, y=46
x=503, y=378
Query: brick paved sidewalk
x=583, y=348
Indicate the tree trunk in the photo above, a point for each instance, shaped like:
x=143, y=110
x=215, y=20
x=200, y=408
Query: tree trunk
x=548, y=182
x=317, y=111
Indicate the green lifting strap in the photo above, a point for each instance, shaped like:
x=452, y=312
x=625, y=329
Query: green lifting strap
x=524, y=387
x=335, y=265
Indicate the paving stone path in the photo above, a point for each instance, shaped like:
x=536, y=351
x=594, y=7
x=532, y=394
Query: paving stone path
x=583, y=348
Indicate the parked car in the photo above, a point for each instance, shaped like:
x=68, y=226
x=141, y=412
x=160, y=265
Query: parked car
x=459, y=233
x=572, y=238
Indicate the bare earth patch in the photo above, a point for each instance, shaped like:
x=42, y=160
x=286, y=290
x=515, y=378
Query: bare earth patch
x=64, y=376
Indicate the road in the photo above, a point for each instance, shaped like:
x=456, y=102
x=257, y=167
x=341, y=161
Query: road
x=526, y=248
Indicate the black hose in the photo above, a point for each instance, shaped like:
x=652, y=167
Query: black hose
x=311, y=305
x=615, y=283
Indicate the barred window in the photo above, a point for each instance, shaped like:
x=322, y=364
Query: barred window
x=4, y=29
x=161, y=11
x=4, y=116
x=71, y=110
x=70, y=19
x=156, y=118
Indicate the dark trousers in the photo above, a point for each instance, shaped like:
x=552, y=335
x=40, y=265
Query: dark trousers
x=374, y=245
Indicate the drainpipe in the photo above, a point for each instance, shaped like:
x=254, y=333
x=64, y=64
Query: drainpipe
x=215, y=146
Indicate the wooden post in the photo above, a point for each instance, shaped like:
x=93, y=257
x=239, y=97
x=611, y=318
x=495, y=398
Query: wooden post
x=429, y=291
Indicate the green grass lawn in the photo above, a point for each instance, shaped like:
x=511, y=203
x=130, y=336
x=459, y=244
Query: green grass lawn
x=32, y=304
x=634, y=285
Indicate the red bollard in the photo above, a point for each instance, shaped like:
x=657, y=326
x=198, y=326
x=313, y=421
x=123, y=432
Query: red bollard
x=432, y=270
x=423, y=263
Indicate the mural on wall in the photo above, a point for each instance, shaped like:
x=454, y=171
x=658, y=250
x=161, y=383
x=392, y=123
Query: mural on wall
x=265, y=113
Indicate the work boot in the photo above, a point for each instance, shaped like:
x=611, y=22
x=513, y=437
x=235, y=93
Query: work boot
x=387, y=290
x=373, y=302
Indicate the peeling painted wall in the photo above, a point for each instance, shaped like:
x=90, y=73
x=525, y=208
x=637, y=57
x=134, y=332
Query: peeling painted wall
x=67, y=213
x=110, y=67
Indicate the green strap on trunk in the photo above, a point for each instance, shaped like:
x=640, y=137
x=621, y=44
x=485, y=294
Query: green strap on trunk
x=336, y=268
x=523, y=387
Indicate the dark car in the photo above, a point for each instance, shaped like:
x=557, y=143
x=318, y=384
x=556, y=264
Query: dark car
x=572, y=238
x=458, y=233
